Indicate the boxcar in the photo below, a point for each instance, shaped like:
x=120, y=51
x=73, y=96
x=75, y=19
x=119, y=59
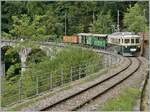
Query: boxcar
x=71, y=39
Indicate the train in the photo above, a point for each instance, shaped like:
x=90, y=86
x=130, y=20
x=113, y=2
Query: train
x=124, y=43
x=89, y=39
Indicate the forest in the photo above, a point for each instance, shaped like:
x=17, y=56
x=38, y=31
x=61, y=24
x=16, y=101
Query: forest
x=50, y=20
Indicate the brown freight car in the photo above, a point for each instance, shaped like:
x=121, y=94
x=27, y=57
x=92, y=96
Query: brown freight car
x=71, y=39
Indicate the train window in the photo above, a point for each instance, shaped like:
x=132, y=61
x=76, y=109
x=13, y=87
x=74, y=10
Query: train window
x=132, y=41
x=137, y=40
x=126, y=40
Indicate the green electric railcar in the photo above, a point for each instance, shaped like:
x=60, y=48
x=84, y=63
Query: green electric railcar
x=100, y=40
x=95, y=40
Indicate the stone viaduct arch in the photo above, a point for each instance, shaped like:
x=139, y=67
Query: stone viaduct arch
x=24, y=52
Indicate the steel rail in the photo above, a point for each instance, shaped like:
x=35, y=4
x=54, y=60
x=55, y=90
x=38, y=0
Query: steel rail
x=106, y=90
x=92, y=86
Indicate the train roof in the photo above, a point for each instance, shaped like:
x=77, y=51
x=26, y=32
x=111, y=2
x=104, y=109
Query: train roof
x=123, y=34
x=100, y=35
x=86, y=34
x=91, y=34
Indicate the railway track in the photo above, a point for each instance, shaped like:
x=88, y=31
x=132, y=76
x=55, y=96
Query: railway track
x=79, y=99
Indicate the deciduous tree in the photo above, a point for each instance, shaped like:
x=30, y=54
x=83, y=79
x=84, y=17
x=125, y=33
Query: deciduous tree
x=135, y=19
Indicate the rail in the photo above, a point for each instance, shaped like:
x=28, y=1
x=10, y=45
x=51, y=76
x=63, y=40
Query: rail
x=79, y=105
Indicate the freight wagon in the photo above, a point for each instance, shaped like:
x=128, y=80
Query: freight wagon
x=71, y=39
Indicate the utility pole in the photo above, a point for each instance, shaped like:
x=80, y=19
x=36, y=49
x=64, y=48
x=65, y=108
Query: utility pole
x=65, y=24
x=93, y=17
x=118, y=29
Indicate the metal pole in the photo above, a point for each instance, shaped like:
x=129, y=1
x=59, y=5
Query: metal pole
x=107, y=65
x=51, y=81
x=37, y=85
x=62, y=77
x=65, y=24
x=93, y=16
x=118, y=21
x=108, y=60
x=79, y=72
x=71, y=74
x=20, y=83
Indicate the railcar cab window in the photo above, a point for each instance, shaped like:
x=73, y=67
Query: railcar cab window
x=126, y=41
x=137, y=41
x=132, y=41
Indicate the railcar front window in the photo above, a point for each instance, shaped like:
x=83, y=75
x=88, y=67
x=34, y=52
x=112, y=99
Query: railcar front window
x=126, y=41
x=132, y=41
x=137, y=40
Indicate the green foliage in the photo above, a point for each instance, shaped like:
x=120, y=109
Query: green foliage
x=38, y=75
x=13, y=70
x=135, y=19
x=124, y=102
x=21, y=26
x=103, y=24
x=36, y=56
x=46, y=20
x=3, y=51
x=6, y=35
x=63, y=60
x=8, y=9
x=12, y=63
x=25, y=28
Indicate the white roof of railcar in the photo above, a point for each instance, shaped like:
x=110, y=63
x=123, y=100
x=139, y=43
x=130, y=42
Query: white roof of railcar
x=88, y=34
x=100, y=35
x=85, y=34
x=123, y=35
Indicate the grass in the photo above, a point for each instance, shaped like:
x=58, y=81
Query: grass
x=124, y=102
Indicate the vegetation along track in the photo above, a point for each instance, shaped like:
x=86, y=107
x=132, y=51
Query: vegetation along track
x=82, y=97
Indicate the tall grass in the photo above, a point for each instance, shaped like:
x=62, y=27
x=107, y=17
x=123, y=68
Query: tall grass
x=48, y=73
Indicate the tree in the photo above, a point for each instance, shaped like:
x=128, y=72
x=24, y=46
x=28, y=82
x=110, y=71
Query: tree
x=24, y=27
x=53, y=25
x=135, y=20
x=12, y=63
x=10, y=8
x=102, y=24
x=21, y=27
x=36, y=56
x=13, y=70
